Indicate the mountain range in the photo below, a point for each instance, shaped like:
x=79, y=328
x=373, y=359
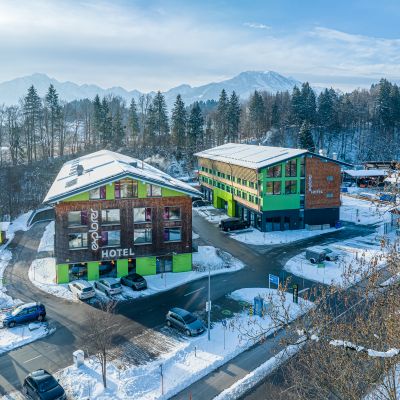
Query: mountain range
x=243, y=84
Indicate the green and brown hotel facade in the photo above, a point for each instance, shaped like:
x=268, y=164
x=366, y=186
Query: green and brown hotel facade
x=273, y=187
x=115, y=215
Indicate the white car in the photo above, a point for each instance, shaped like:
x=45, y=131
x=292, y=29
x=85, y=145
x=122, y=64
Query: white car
x=83, y=290
x=109, y=286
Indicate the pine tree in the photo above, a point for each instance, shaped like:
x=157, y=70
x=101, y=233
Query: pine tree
x=178, y=124
x=257, y=115
x=309, y=106
x=159, y=109
x=305, y=138
x=233, y=117
x=97, y=119
x=32, y=109
x=53, y=118
x=297, y=106
x=118, y=128
x=133, y=120
x=222, y=122
x=106, y=123
x=195, y=127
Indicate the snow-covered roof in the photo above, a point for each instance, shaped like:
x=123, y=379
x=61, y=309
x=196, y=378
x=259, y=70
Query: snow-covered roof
x=249, y=155
x=358, y=173
x=104, y=167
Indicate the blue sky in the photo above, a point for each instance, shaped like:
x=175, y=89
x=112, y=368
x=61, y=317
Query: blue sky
x=151, y=45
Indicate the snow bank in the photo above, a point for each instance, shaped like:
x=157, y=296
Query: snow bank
x=47, y=241
x=5, y=300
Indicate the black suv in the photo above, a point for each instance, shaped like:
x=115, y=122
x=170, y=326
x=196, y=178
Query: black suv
x=233, y=224
x=41, y=385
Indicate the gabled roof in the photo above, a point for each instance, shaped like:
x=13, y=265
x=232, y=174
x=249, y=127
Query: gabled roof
x=255, y=156
x=105, y=166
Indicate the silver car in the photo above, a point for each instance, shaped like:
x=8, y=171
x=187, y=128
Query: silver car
x=109, y=286
x=185, y=321
x=83, y=290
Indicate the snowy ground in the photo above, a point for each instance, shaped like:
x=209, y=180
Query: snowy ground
x=47, y=241
x=10, y=338
x=211, y=214
x=363, y=212
x=255, y=237
x=187, y=362
x=356, y=252
x=43, y=275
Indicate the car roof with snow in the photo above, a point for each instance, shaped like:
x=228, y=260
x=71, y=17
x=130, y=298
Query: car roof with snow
x=180, y=311
x=82, y=283
x=255, y=156
x=97, y=169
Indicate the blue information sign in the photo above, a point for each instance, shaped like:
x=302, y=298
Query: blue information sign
x=273, y=279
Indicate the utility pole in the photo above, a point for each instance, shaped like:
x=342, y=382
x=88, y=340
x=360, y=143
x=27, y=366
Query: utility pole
x=209, y=302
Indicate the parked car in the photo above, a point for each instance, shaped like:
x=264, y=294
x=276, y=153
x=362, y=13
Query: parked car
x=331, y=255
x=233, y=224
x=196, y=202
x=83, y=290
x=25, y=313
x=109, y=286
x=185, y=321
x=315, y=255
x=41, y=385
x=134, y=281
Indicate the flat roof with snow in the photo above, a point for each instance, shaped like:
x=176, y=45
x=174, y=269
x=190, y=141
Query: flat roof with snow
x=96, y=169
x=360, y=173
x=254, y=156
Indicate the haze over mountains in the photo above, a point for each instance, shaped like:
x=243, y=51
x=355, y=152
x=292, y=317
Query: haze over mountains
x=244, y=84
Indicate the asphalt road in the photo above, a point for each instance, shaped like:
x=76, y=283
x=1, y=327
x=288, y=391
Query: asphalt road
x=142, y=318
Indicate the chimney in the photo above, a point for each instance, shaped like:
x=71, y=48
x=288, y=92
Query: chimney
x=79, y=169
x=334, y=156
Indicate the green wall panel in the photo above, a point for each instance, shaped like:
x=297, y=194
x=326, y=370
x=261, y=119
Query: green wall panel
x=142, y=191
x=110, y=191
x=62, y=273
x=93, y=270
x=165, y=192
x=146, y=265
x=79, y=197
x=182, y=262
x=122, y=268
x=218, y=195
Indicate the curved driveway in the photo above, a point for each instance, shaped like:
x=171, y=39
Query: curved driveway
x=135, y=317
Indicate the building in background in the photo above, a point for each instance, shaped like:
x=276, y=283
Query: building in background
x=115, y=214
x=275, y=188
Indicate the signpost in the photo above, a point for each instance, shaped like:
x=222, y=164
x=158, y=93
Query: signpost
x=273, y=279
x=295, y=293
x=224, y=325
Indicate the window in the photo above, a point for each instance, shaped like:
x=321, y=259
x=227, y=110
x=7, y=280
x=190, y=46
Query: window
x=238, y=193
x=256, y=200
x=244, y=182
x=77, y=218
x=126, y=189
x=329, y=195
x=77, y=271
x=329, y=178
x=274, y=187
x=251, y=198
x=153, y=190
x=141, y=214
x=172, y=234
x=290, y=187
x=251, y=184
x=244, y=195
x=172, y=213
x=303, y=166
x=275, y=172
x=228, y=177
x=78, y=240
x=302, y=186
x=291, y=168
x=98, y=193
x=142, y=236
x=239, y=181
x=110, y=217
x=110, y=238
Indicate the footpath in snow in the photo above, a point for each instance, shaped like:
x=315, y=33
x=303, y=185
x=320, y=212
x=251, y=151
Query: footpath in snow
x=42, y=274
x=190, y=360
x=11, y=338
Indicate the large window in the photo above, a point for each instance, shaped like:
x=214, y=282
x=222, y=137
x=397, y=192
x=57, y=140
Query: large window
x=291, y=168
x=275, y=172
x=172, y=213
x=290, y=187
x=172, y=234
x=274, y=187
x=78, y=240
x=110, y=217
x=142, y=236
x=141, y=215
x=153, y=190
x=77, y=271
x=303, y=166
x=98, y=193
x=77, y=218
x=126, y=189
x=111, y=238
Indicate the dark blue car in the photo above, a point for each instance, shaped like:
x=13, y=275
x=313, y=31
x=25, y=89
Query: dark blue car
x=25, y=313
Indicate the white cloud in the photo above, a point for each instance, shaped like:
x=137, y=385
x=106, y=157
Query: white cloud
x=150, y=49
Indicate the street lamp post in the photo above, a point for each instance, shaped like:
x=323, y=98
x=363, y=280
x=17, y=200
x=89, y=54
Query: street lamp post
x=209, y=302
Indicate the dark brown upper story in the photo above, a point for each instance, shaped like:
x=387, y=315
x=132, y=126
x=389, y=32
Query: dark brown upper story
x=126, y=226
x=322, y=183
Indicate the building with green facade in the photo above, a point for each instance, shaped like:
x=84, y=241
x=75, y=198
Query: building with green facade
x=274, y=188
x=115, y=214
